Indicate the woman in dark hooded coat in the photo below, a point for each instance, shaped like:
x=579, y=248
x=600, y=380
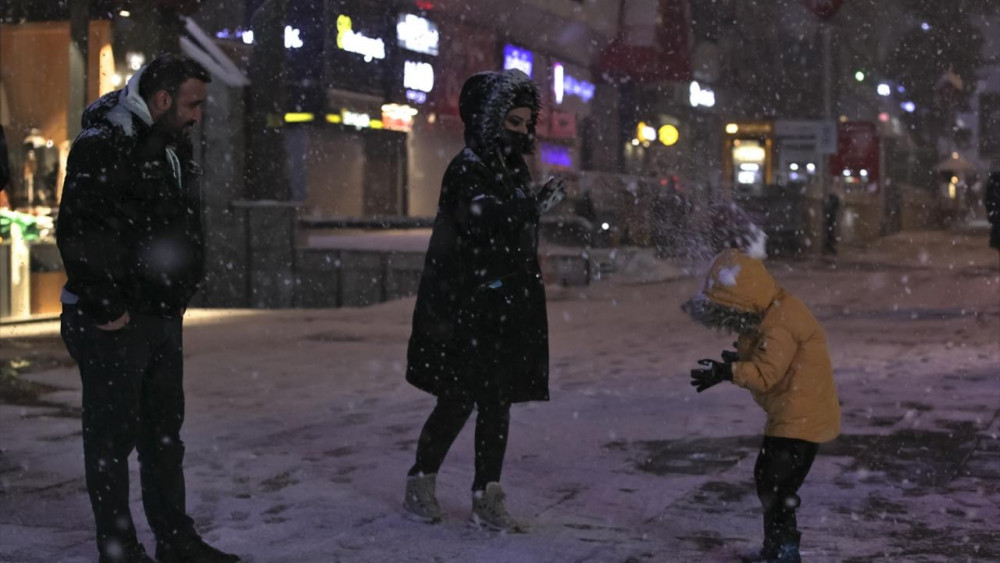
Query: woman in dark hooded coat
x=480, y=332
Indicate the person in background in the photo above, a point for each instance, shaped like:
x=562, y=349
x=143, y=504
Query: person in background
x=131, y=239
x=480, y=331
x=991, y=200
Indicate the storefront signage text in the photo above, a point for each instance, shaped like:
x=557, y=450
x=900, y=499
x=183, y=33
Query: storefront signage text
x=515, y=57
x=418, y=76
x=417, y=34
x=348, y=40
x=564, y=85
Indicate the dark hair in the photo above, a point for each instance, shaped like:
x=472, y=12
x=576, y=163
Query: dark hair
x=168, y=72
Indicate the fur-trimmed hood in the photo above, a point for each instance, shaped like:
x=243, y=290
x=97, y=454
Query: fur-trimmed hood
x=119, y=109
x=485, y=100
x=737, y=292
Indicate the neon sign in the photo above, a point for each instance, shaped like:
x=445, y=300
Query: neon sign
x=515, y=57
x=701, y=96
x=349, y=40
x=417, y=34
x=556, y=155
x=418, y=76
x=565, y=85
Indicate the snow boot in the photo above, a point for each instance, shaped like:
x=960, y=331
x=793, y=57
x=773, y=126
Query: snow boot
x=788, y=551
x=132, y=552
x=191, y=549
x=489, y=511
x=421, y=500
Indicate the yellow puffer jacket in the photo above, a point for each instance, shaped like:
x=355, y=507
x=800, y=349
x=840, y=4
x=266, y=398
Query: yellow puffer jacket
x=784, y=363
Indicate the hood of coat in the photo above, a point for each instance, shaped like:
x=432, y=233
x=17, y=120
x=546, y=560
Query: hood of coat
x=485, y=100
x=119, y=109
x=737, y=292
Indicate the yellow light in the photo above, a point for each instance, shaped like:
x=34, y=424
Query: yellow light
x=109, y=79
x=954, y=179
x=954, y=155
x=732, y=128
x=343, y=26
x=375, y=124
x=668, y=135
x=298, y=117
x=635, y=142
x=951, y=191
x=333, y=118
x=749, y=153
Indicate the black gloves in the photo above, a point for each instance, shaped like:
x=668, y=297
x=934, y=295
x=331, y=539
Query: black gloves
x=551, y=194
x=729, y=356
x=713, y=374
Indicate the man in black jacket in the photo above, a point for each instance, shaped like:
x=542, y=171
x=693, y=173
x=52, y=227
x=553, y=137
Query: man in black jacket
x=130, y=235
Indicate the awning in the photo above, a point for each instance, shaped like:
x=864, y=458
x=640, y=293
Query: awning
x=196, y=44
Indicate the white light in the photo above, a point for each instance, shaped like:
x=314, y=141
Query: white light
x=116, y=80
x=418, y=76
x=247, y=37
x=417, y=34
x=124, y=13
x=884, y=89
x=859, y=76
x=357, y=43
x=648, y=133
x=908, y=107
x=793, y=176
x=793, y=166
x=399, y=111
x=358, y=120
x=292, y=40
x=864, y=173
x=605, y=226
x=925, y=26
x=558, y=81
x=746, y=177
x=749, y=153
x=846, y=173
x=701, y=96
x=811, y=167
x=135, y=60
x=750, y=166
x=635, y=142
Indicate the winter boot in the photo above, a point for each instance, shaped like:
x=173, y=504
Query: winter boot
x=133, y=552
x=421, y=500
x=788, y=551
x=191, y=549
x=488, y=510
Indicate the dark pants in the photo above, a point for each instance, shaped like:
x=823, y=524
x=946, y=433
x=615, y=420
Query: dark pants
x=133, y=398
x=782, y=466
x=444, y=425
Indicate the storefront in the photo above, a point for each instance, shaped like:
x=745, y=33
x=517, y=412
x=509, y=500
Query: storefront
x=39, y=121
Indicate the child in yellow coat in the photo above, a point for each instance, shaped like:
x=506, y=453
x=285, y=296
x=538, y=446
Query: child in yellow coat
x=782, y=359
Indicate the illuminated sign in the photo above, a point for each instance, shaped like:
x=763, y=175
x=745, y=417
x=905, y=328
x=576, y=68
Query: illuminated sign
x=418, y=76
x=358, y=120
x=557, y=155
x=565, y=85
x=417, y=34
x=701, y=96
x=416, y=97
x=515, y=57
x=348, y=40
x=397, y=117
x=292, y=40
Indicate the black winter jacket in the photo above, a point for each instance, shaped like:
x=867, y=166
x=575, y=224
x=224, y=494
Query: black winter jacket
x=129, y=230
x=480, y=330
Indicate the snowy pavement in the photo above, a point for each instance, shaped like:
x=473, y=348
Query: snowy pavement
x=300, y=429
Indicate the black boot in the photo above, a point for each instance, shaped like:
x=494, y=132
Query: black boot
x=788, y=551
x=131, y=552
x=191, y=549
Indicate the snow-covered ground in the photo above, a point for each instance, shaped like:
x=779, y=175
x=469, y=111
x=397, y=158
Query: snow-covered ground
x=300, y=429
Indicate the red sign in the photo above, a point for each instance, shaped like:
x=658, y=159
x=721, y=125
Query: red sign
x=825, y=9
x=857, y=151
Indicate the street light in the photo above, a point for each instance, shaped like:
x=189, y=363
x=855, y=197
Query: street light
x=859, y=76
x=884, y=89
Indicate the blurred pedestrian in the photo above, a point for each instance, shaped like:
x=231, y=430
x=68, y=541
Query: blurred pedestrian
x=480, y=332
x=130, y=235
x=992, y=202
x=782, y=358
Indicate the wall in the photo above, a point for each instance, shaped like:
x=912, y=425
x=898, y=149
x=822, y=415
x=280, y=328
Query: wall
x=334, y=165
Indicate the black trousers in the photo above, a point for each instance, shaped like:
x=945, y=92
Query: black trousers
x=133, y=398
x=446, y=422
x=782, y=466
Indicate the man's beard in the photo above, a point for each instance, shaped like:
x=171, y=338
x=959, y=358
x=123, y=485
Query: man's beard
x=170, y=126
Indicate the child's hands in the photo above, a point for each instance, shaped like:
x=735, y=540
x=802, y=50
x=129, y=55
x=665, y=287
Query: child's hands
x=715, y=373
